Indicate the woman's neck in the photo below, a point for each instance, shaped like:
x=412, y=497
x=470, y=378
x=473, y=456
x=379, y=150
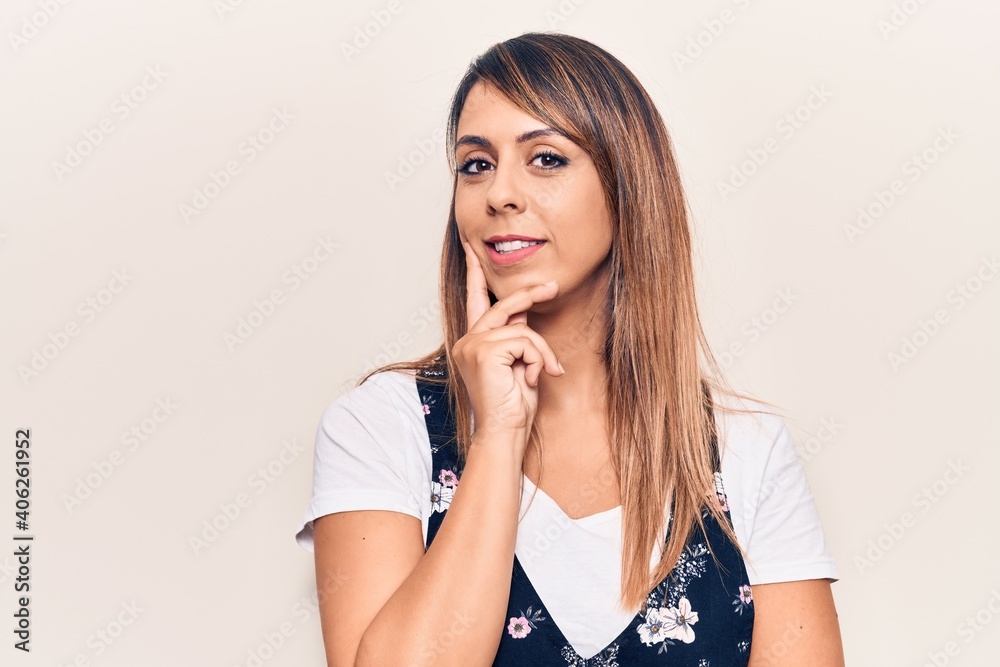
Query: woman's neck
x=577, y=337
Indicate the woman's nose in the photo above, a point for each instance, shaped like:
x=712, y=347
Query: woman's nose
x=505, y=192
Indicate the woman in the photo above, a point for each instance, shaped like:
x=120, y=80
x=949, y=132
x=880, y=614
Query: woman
x=560, y=483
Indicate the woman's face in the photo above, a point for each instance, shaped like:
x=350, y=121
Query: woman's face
x=518, y=177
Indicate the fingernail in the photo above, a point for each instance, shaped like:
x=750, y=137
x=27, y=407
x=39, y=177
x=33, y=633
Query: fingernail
x=551, y=282
x=561, y=367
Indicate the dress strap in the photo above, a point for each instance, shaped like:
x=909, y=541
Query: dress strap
x=716, y=462
x=436, y=405
x=445, y=468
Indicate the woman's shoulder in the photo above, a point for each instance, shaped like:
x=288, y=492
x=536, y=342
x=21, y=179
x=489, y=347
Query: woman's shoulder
x=767, y=486
x=370, y=453
x=392, y=381
x=377, y=423
x=754, y=439
x=384, y=396
x=746, y=420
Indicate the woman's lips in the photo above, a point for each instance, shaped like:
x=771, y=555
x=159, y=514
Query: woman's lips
x=506, y=259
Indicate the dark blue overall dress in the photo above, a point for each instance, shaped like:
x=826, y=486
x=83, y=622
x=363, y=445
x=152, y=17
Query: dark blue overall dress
x=699, y=616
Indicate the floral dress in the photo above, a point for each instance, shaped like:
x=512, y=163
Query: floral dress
x=701, y=615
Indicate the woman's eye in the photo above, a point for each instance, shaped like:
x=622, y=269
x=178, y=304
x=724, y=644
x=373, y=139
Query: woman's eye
x=546, y=160
x=480, y=166
x=549, y=160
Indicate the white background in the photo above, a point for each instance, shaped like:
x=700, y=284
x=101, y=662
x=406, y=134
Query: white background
x=896, y=74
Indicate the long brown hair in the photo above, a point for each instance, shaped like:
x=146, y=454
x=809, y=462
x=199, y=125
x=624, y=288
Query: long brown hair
x=658, y=394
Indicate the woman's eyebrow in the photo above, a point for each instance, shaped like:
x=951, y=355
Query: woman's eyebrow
x=476, y=140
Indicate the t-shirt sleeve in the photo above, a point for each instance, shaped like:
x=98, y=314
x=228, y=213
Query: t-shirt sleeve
x=786, y=539
x=361, y=458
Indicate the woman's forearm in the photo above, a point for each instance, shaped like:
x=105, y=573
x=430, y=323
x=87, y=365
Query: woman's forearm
x=451, y=609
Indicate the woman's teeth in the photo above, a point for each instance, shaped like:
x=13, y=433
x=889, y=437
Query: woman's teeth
x=510, y=246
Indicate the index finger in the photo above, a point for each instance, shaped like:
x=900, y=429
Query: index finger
x=514, y=307
x=477, y=299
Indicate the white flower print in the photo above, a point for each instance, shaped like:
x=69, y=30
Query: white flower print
x=441, y=496
x=720, y=492
x=651, y=631
x=692, y=563
x=572, y=658
x=677, y=621
x=606, y=658
x=718, y=484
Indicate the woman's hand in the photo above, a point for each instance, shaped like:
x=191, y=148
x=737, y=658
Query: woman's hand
x=500, y=358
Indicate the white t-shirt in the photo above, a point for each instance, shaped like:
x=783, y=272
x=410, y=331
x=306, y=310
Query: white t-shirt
x=372, y=452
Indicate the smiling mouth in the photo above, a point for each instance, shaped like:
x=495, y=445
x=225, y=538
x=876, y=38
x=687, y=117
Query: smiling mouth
x=507, y=247
x=509, y=253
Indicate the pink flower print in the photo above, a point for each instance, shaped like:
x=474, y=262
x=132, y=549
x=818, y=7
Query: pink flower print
x=518, y=627
x=427, y=409
x=743, y=599
x=720, y=492
x=448, y=478
x=723, y=501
